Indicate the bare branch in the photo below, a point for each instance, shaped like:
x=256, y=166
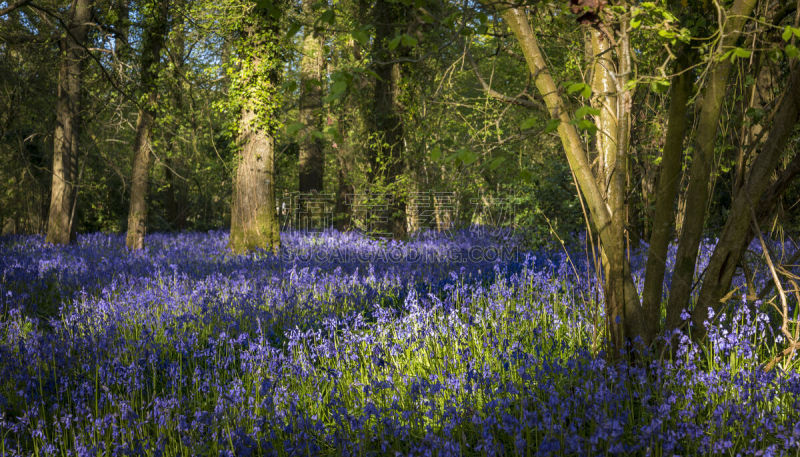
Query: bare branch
x=518, y=100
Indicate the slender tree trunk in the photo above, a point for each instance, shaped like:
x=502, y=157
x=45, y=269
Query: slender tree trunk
x=622, y=301
x=344, y=187
x=175, y=204
x=668, y=179
x=121, y=46
x=312, y=65
x=705, y=140
x=153, y=41
x=736, y=234
x=610, y=178
x=66, y=135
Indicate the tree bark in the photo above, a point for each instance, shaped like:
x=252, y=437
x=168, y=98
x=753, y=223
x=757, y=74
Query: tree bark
x=610, y=178
x=668, y=179
x=623, y=312
x=311, y=163
x=66, y=135
x=386, y=152
x=254, y=218
x=736, y=233
x=153, y=41
x=705, y=139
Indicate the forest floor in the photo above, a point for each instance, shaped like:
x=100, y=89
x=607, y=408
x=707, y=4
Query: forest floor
x=456, y=344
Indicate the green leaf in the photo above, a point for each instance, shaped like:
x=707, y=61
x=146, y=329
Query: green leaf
x=395, y=43
x=294, y=127
x=583, y=88
x=360, y=36
x=496, y=162
x=584, y=110
x=668, y=34
x=635, y=23
x=318, y=135
x=586, y=124
x=337, y=90
x=741, y=53
x=466, y=156
x=339, y=86
x=408, y=40
x=791, y=51
x=725, y=56
x=528, y=123
x=659, y=86
x=787, y=33
x=756, y=114
x=552, y=125
x=328, y=17
x=292, y=30
x=436, y=153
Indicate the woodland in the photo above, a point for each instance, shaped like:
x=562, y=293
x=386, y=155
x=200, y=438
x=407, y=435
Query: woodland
x=399, y=227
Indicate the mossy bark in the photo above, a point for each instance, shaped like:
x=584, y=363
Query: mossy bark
x=254, y=218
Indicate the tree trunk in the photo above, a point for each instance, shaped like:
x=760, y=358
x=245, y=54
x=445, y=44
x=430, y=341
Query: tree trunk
x=153, y=41
x=735, y=234
x=254, y=217
x=610, y=179
x=176, y=205
x=386, y=152
x=311, y=163
x=622, y=302
x=66, y=135
x=668, y=179
x=698, y=189
x=344, y=188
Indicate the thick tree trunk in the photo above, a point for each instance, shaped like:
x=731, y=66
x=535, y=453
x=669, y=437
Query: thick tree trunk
x=254, y=219
x=698, y=189
x=66, y=135
x=254, y=216
x=311, y=163
x=668, y=179
x=386, y=154
x=736, y=232
x=153, y=41
x=142, y=158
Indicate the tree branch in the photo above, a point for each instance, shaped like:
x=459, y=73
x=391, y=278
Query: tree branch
x=12, y=6
x=518, y=100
